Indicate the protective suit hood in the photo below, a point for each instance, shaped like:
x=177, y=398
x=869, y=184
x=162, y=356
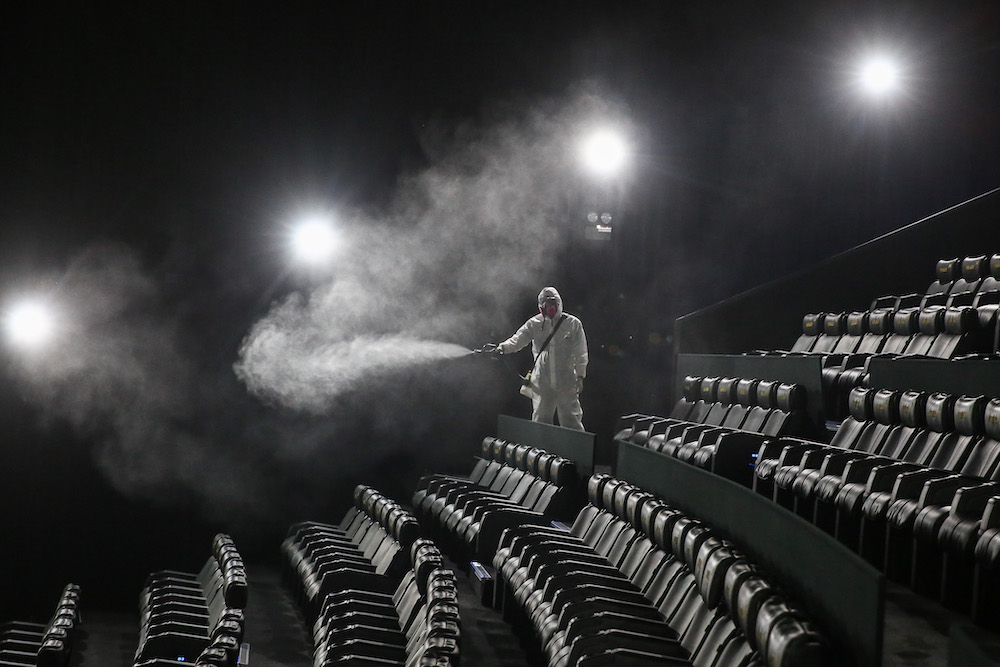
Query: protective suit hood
x=551, y=293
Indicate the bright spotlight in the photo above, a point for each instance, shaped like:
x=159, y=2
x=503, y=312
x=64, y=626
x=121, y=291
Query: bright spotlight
x=29, y=324
x=604, y=152
x=314, y=241
x=879, y=75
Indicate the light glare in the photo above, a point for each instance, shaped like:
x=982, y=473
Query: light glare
x=29, y=324
x=604, y=152
x=314, y=242
x=880, y=75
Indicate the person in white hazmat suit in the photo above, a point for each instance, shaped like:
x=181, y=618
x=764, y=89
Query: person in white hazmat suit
x=556, y=379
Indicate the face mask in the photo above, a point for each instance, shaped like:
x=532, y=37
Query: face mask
x=549, y=310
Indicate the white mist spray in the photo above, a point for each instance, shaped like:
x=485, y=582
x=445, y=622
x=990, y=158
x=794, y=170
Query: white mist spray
x=298, y=371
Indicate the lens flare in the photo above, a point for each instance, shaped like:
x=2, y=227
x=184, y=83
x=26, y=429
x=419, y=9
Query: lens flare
x=29, y=324
x=879, y=75
x=314, y=242
x=604, y=153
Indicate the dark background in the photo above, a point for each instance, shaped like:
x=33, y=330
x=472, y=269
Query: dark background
x=187, y=131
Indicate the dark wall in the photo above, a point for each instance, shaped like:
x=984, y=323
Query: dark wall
x=901, y=262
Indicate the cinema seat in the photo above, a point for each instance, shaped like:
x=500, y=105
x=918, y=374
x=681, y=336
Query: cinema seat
x=634, y=577
x=418, y=623
x=635, y=428
x=323, y=557
x=933, y=486
x=489, y=463
x=50, y=644
x=886, y=437
x=856, y=434
x=706, y=408
x=183, y=614
x=985, y=605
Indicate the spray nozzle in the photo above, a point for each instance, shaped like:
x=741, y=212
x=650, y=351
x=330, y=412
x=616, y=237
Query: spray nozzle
x=491, y=350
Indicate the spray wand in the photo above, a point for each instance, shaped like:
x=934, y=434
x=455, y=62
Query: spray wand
x=492, y=351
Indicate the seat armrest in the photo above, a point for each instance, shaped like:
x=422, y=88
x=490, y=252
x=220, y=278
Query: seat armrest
x=694, y=430
x=834, y=360
x=859, y=470
x=911, y=484
x=675, y=429
x=658, y=427
x=856, y=360
x=771, y=449
x=991, y=515
x=941, y=491
x=814, y=458
x=883, y=478
x=711, y=435
x=973, y=500
x=793, y=452
x=835, y=462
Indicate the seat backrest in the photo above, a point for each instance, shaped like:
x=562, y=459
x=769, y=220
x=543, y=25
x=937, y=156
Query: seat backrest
x=789, y=415
x=854, y=331
x=941, y=419
x=756, y=419
x=811, y=329
x=859, y=406
x=709, y=389
x=930, y=322
x=563, y=473
x=912, y=427
x=858, y=323
x=738, y=409
x=991, y=443
x=991, y=282
x=905, y=324
x=767, y=393
x=961, y=334
x=725, y=397
x=972, y=271
x=518, y=458
x=746, y=392
x=834, y=326
x=690, y=390
x=947, y=273
x=970, y=422
x=710, y=571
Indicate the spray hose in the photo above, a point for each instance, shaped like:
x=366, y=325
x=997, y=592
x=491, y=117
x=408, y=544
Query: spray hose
x=492, y=351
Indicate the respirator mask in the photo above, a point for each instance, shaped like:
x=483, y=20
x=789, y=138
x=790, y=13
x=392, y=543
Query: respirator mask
x=549, y=307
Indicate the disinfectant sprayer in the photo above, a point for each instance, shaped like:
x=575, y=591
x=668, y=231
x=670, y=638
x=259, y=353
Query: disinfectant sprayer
x=492, y=351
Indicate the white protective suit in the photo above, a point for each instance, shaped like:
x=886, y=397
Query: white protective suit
x=559, y=371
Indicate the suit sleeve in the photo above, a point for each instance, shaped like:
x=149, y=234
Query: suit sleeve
x=518, y=341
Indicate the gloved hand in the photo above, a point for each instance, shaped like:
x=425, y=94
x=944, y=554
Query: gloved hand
x=491, y=350
x=579, y=385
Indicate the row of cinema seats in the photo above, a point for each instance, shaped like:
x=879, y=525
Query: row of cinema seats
x=955, y=318
x=847, y=342
x=637, y=582
x=369, y=545
x=43, y=644
x=418, y=624
x=912, y=482
x=372, y=591
x=957, y=283
x=719, y=424
x=195, y=617
x=510, y=485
